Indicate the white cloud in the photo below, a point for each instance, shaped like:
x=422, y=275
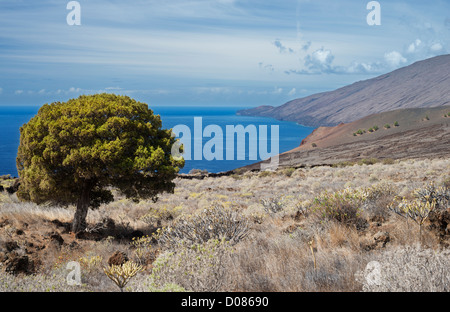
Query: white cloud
x=436, y=47
x=277, y=91
x=18, y=92
x=292, y=92
x=73, y=89
x=319, y=61
x=1, y=90
x=413, y=46
x=322, y=57
x=394, y=59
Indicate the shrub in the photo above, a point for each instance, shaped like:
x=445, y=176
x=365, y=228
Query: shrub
x=197, y=267
x=288, y=171
x=216, y=222
x=121, y=274
x=142, y=248
x=388, y=161
x=265, y=173
x=368, y=161
x=396, y=124
x=164, y=213
x=432, y=194
x=415, y=210
x=375, y=128
x=409, y=269
x=273, y=205
x=56, y=281
x=342, y=206
x=314, y=145
x=376, y=199
x=387, y=126
x=343, y=164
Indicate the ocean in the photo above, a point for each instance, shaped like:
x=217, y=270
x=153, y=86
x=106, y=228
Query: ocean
x=290, y=134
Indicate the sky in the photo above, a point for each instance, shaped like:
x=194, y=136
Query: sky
x=208, y=52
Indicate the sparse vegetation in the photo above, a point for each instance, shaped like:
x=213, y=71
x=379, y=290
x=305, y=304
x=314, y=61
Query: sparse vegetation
x=304, y=229
x=387, y=126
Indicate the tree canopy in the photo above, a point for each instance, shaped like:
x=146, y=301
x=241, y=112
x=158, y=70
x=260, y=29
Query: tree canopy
x=75, y=152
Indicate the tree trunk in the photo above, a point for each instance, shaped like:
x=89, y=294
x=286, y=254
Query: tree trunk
x=79, y=220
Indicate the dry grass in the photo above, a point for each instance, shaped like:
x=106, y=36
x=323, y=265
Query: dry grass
x=275, y=256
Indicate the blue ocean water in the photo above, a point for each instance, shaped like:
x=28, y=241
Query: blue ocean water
x=290, y=134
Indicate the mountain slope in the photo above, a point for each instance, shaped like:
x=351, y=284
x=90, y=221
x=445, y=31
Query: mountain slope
x=421, y=133
x=422, y=84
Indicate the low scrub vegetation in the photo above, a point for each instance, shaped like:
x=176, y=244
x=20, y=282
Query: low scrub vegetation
x=369, y=225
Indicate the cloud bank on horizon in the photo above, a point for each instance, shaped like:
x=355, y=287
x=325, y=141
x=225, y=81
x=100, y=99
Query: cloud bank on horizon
x=209, y=52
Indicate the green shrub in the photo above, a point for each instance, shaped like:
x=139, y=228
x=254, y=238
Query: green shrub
x=265, y=173
x=396, y=124
x=387, y=126
x=342, y=164
x=342, y=206
x=157, y=214
x=288, y=171
x=368, y=161
x=388, y=161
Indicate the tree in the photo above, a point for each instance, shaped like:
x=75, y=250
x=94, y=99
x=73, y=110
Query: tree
x=75, y=152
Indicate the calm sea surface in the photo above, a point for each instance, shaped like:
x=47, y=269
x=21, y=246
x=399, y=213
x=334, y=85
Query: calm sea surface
x=290, y=134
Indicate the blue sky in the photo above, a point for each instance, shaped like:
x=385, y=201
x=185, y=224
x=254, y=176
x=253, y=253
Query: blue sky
x=208, y=52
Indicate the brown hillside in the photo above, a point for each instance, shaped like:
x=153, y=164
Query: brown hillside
x=422, y=84
x=414, y=137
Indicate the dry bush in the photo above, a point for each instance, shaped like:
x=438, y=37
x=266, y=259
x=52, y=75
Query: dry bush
x=197, y=267
x=269, y=262
x=377, y=199
x=410, y=269
x=55, y=282
x=273, y=205
x=216, y=222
